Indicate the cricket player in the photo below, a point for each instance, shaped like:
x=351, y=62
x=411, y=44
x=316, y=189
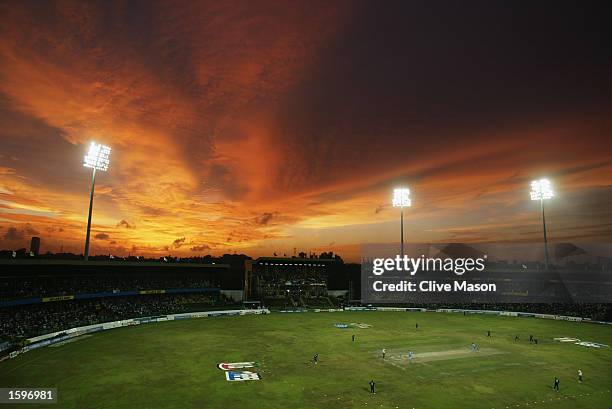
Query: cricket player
x=579, y=376
x=410, y=355
x=556, y=384
x=353, y=337
x=372, y=387
x=384, y=352
x=315, y=359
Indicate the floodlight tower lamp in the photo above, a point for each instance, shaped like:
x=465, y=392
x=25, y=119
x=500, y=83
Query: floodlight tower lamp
x=401, y=199
x=542, y=190
x=97, y=158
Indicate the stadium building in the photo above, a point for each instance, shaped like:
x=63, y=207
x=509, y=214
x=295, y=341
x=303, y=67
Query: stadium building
x=289, y=282
x=39, y=296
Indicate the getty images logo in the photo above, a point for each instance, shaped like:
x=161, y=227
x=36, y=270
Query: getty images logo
x=411, y=265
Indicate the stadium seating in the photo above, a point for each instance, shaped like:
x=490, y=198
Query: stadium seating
x=24, y=321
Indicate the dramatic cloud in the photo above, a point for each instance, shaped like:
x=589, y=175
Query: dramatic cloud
x=13, y=234
x=19, y=234
x=264, y=219
x=178, y=243
x=102, y=236
x=126, y=224
x=263, y=126
x=380, y=208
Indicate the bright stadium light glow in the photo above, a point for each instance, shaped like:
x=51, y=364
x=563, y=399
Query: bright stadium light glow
x=97, y=157
x=541, y=190
x=401, y=197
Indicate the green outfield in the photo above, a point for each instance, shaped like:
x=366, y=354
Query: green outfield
x=174, y=364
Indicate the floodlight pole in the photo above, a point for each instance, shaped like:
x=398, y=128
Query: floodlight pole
x=545, y=237
x=91, y=196
x=402, y=231
x=401, y=199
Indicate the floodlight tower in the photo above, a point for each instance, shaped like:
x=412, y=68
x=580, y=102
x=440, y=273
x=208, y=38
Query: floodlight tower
x=96, y=159
x=401, y=199
x=542, y=190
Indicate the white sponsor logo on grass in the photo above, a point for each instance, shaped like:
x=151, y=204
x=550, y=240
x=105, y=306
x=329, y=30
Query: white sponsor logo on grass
x=576, y=341
x=241, y=376
x=591, y=344
x=360, y=325
x=236, y=365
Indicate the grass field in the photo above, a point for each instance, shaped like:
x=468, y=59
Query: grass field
x=173, y=364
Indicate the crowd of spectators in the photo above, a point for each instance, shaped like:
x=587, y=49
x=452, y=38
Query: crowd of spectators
x=36, y=319
x=26, y=321
x=48, y=286
x=596, y=312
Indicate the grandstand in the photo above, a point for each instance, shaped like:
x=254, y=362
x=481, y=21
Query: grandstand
x=289, y=282
x=39, y=296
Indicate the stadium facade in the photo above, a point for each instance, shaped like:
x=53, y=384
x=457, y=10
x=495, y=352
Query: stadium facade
x=284, y=281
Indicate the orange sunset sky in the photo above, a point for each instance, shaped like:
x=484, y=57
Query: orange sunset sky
x=258, y=127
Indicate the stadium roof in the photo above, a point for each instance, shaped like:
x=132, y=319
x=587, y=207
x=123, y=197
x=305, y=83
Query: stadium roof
x=295, y=260
x=563, y=250
x=458, y=250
